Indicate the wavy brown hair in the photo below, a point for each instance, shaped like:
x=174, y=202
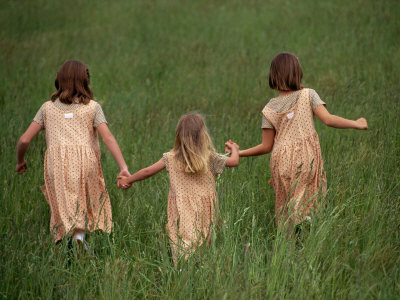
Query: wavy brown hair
x=193, y=145
x=72, y=83
x=285, y=73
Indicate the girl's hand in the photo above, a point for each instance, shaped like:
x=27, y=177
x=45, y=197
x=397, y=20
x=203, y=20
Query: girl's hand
x=235, y=146
x=21, y=167
x=362, y=124
x=123, y=173
x=227, y=149
x=123, y=182
x=233, y=149
x=229, y=146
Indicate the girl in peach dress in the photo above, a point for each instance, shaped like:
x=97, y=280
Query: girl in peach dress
x=288, y=130
x=192, y=166
x=73, y=180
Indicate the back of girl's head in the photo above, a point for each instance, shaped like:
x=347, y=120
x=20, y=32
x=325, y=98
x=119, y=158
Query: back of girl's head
x=193, y=145
x=72, y=83
x=285, y=73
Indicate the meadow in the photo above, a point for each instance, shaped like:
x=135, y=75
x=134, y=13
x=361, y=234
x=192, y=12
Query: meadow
x=151, y=62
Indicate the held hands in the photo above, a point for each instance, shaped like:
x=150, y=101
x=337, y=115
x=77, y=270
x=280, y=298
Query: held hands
x=361, y=124
x=122, y=176
x=21, y=167
x=231, y=146
x=123, y=182
x=233, y=149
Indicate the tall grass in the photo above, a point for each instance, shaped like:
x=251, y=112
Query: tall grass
x=152, y=61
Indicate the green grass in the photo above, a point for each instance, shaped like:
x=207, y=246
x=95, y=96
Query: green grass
x=151, y=62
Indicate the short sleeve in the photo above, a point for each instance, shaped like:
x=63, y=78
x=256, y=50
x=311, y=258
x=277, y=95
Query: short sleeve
x=99, y=117
x=315, y=100
x=39, y=117
x=165, y=157
x=265, y=123
x=217, y=163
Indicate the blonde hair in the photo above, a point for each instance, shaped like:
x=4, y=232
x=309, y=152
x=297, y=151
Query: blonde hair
x=193, y=145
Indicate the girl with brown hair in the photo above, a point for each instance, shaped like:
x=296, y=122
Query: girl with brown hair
x=193, y=166
x=288, y=130
x=73, y=180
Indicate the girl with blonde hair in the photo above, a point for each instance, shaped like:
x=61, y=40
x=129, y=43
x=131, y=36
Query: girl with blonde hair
x=193, y=166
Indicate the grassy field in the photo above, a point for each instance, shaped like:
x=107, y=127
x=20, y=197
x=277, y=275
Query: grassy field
x=151, y=62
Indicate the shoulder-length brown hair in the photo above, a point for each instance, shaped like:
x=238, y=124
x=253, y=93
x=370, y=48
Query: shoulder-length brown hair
x=72, y=83
x=285, y=73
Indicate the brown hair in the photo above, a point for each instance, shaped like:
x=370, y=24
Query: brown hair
x=285, y=73
x=193, y=145
x=72, y=83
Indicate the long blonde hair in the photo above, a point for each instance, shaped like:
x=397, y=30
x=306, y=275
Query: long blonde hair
x=193, y=145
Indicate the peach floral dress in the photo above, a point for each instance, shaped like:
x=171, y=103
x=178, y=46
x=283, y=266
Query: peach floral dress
x=192, y=204
x=74, y=184
x=296, y=162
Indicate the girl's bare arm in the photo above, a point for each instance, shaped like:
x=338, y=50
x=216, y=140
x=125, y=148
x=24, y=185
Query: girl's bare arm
x=112, y=146
x=142, y=174
x=265, y=147
x=339, y=122
x=23, y=145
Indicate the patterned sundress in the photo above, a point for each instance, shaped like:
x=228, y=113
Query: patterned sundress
x=74, y=184
x=192, y=204
x=297, y=174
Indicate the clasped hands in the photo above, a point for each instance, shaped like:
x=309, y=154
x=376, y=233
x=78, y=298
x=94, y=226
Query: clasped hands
x=229, y=146
x=122, y=181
